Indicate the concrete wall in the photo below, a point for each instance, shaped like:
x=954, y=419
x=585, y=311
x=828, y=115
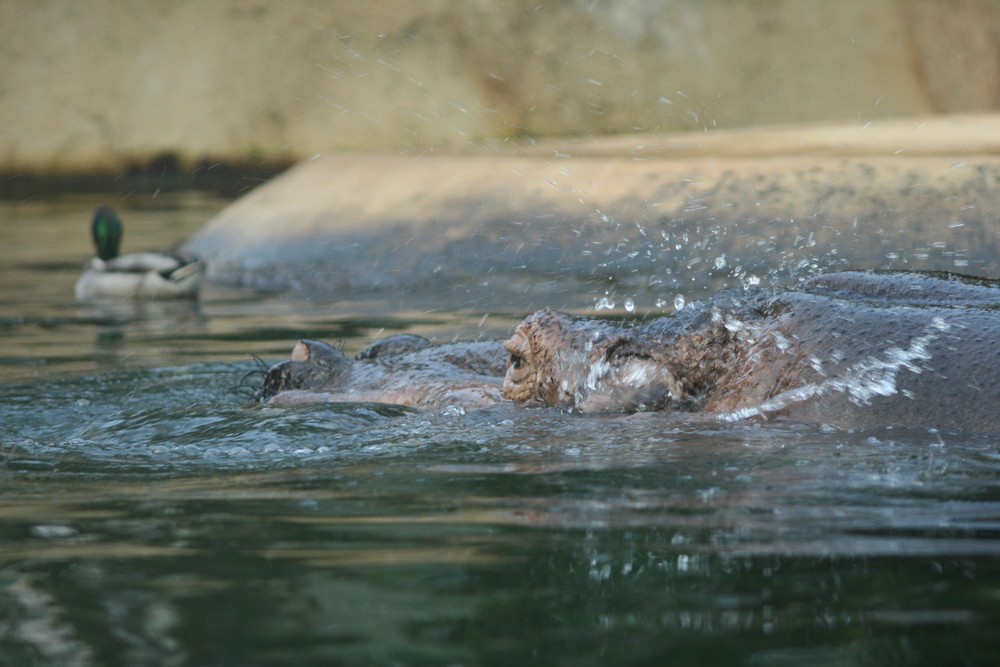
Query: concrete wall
x=95, y=84
x=563, y=219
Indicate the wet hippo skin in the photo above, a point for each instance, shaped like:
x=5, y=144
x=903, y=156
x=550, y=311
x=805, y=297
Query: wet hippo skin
x=402, y=370
x=849, y=349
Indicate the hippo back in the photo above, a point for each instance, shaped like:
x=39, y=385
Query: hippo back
x=859, y=349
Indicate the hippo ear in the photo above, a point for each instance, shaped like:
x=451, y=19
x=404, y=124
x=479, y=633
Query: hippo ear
x=316, y=351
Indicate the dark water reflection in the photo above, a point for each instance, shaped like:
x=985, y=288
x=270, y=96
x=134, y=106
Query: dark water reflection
x=150, y=516
x=45, y=333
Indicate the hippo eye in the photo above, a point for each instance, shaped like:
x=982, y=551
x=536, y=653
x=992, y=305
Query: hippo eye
x=515, y=361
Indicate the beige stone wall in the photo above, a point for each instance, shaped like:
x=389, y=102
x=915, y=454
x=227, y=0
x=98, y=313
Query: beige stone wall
x=98, y=83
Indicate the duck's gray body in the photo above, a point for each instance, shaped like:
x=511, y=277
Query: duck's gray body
x=144, y=275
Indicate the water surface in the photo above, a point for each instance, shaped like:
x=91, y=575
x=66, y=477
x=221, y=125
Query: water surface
x=151, y=515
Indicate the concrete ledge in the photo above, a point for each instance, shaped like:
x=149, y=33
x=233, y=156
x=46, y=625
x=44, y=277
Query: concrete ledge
x=644, y=216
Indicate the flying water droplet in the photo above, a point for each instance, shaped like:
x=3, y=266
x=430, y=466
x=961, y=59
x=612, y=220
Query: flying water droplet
x=629, y=305
x=679, y=302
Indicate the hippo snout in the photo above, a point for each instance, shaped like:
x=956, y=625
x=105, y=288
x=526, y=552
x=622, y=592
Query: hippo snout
x=313, y=365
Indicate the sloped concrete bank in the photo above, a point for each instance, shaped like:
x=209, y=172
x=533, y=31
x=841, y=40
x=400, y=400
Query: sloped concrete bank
x=638, y=215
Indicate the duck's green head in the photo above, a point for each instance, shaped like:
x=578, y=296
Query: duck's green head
x=107, y=231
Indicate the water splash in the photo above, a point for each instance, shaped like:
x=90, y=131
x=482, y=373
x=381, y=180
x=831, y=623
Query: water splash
x=869, y=378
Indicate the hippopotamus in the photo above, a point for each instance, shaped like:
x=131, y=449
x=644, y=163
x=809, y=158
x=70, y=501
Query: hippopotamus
x=849, y=350
x=403, y=370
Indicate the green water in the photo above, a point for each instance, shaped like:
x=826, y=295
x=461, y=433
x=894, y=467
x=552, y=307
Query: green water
x=149, y=515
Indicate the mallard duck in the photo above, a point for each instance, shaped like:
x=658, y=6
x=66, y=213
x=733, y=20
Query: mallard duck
x=142, y=275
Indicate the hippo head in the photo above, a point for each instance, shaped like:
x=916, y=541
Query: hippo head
x=313, y=365
x=558, y=360
x=538, y=351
